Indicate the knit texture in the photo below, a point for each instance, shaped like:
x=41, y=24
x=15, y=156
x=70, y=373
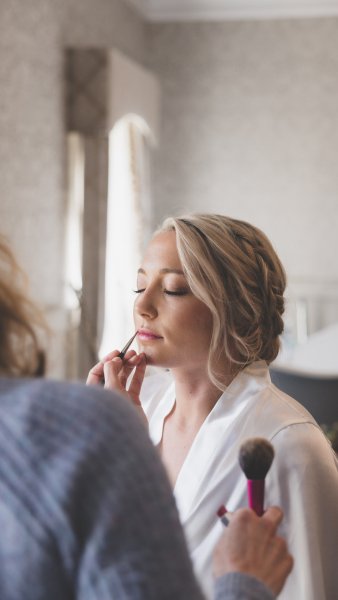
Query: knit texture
x=86, y=511
x=237, y=586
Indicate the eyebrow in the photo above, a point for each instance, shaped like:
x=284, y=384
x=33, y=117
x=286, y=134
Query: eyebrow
x=165, y=270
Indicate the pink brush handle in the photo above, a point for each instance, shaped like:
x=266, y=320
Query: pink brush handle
x=256, y=495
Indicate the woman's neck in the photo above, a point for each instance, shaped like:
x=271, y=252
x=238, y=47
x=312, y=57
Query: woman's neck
x=196, y=396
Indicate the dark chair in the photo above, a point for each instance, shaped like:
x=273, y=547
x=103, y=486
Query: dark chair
x=318, y=393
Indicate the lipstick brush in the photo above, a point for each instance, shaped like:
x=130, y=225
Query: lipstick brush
x=255, y=458
x=125, y=348
x=123, y=351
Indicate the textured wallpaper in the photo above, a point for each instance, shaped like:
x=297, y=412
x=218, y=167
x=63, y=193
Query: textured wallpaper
x=250, y=129
x=33, y=35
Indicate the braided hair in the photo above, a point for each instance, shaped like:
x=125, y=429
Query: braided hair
x=232, y=267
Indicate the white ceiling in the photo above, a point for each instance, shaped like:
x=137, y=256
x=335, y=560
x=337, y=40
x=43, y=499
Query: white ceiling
x=192, y=10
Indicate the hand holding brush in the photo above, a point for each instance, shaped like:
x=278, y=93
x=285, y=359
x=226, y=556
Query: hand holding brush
x=255, y=458
x=251, y=545
x=115, y=369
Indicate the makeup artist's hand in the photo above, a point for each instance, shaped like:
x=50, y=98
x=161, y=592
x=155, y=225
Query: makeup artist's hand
x=250, y=545
x=115, y=373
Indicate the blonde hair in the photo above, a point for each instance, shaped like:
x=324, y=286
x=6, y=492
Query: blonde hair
x=20, y=354
x=232, y=267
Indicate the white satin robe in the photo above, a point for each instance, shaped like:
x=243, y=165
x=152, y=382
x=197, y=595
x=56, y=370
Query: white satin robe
x=303, y=478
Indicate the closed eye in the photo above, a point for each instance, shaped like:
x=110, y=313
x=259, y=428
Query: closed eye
x=183, y=292
x=176, y=293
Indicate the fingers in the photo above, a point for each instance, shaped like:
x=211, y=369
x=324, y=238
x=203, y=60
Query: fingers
x=112, y=369
x=121, y=368
x=117, y=372
x=244, y=517
x=250, y=545
x=288, y=564
x=114, y=372
x=279, y=564
x=130, y=361
x=273, y=515
x=95, y=375
x=110, y=356
x=137, y=379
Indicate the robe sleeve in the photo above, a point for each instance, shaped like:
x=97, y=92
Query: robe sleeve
x=303, y=481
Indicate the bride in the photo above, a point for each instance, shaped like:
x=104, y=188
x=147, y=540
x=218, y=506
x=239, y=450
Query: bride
x=208, y=310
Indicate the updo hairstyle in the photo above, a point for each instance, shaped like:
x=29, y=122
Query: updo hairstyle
x=232, y=267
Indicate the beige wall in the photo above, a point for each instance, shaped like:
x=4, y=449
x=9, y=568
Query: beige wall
x=250, y=129
x=33, y=35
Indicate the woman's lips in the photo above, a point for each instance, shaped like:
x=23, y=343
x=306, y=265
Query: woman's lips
x=147, y=335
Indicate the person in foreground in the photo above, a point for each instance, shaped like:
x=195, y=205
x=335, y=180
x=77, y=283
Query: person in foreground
x=208, y=310
x=86, y=510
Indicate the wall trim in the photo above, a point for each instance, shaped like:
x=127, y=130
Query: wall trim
x=224, y=10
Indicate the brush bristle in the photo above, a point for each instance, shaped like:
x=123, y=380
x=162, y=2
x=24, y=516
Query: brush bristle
x=255, y=457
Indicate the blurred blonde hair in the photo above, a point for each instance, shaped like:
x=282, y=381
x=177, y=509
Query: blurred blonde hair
x=20, y=319
x=232, y=267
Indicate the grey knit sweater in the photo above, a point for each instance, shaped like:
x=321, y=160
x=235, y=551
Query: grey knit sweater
x=86, y=511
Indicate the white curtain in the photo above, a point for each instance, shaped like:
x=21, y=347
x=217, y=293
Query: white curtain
x=74, y=220
x=128, y=226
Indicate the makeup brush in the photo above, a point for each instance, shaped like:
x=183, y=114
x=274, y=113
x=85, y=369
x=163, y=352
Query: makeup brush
x=255, y=458
x=125, y=348
x=123, y=351
x=222, y=514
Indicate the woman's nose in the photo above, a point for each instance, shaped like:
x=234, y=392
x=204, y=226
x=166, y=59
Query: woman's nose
x=145, y=305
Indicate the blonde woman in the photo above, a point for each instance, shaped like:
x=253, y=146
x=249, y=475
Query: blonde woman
x=209, y=310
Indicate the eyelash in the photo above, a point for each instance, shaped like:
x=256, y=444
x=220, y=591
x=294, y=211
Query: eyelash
x=168, y=292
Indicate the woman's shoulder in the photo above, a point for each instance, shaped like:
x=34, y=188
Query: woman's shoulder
x=305, y=441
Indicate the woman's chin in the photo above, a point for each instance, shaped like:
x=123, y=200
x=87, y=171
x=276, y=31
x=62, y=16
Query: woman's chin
x=152, y=359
